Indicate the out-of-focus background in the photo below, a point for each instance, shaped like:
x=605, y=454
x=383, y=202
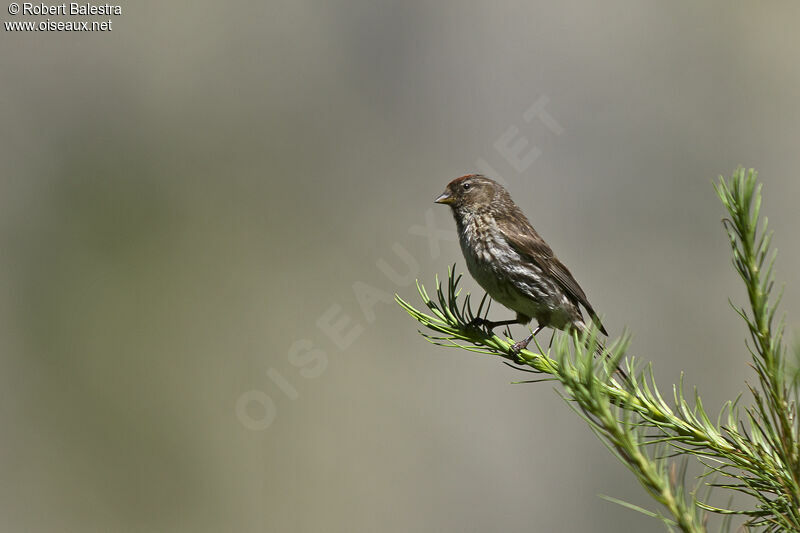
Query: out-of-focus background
x=204, y=212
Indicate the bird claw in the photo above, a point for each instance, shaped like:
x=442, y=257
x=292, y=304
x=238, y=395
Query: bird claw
x=478, y=323
x=517, y=347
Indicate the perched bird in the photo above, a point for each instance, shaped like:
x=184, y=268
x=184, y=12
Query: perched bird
x=511, y=261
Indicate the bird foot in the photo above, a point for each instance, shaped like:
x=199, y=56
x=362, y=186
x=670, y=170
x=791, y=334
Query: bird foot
x=478, y=323
x=521, y=345
x=488, y=324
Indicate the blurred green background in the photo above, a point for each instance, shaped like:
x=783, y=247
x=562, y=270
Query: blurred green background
x=185, y=197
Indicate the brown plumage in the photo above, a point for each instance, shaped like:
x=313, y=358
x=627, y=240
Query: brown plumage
x=509, y=259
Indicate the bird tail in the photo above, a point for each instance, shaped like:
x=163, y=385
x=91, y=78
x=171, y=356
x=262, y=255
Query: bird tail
x=596, y=320
x=601, y=350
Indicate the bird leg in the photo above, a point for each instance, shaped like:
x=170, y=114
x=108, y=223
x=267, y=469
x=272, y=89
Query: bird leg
x=521, y=345
x=478, y=322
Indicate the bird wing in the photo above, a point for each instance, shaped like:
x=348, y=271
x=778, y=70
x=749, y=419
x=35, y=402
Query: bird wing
x=528, y=244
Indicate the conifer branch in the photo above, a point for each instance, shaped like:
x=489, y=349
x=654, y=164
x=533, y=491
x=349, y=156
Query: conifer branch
x=754, y=450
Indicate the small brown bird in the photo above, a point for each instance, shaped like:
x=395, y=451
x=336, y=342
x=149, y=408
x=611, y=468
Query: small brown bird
x=511, y=261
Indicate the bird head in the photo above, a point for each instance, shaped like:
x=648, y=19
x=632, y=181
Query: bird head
x=470, y=193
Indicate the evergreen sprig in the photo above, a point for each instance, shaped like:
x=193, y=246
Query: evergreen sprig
x=751, y=450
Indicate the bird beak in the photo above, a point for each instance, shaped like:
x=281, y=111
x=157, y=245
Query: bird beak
x=444, y=198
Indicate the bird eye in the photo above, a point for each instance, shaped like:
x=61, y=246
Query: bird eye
x=466, y=186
